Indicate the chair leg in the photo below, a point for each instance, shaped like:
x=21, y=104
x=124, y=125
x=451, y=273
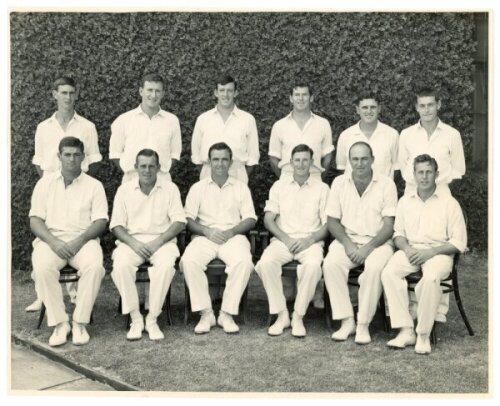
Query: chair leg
x=387, y=326
x=328, y=308
x=42, y=315
x=433, y=335
x=243, y=306
x=461, y=307
x=187, y=303
x=169, y=314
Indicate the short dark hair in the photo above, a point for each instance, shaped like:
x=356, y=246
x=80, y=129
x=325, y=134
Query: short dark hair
x=220, y=146
x=301, y=84
x=366, y=96
x=71, y=142
x=425, y=158
x=148, y=152
x=362, y=143
x=427, y=92
x=152, y=77
x=63, y=81
x=224, y=79
x=302, y=148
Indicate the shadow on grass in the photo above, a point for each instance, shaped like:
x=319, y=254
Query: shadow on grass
x=251, y=361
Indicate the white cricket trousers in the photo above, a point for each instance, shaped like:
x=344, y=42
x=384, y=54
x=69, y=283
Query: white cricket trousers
x=236, y=255
x=336, y=268
x=428, y=290
x=46, y=266
x=308, y=275
x=161, y=272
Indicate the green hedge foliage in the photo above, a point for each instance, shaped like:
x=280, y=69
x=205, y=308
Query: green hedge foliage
x=340, y=54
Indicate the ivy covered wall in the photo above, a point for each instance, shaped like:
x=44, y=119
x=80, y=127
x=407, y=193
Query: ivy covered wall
x=340, y=54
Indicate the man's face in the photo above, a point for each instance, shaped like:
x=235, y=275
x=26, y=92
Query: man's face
x=427, y=108
x=71, y=159
x=361, y=160
x=225, y=94
x=425, y=176
x=301, y=99
x=151, y=94
x=147, y=169
x=65, y=96
x=368, y=110
x=301, y=163
x=220, y=162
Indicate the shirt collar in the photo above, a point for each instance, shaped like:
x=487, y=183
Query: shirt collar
x=229, y=181
x=75, y=117
x=359, y=131
x=157, y=185
x=375, y=177
x=439, y=124
x=437, y=192
x=139, y=110
x=291, y=117
x=235, y=111
x=307, y=182
x=78, y=179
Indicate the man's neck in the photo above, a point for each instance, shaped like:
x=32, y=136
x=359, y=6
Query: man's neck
x=149, y=111
x=65, y=115
x=425, y=194
x=69, y=177
x=300, y=179
x=225, y=112
x=220, y=180
x=362, y=180
x=368, y=128
x=301, y=114
x=146, y=189
x=430, y=126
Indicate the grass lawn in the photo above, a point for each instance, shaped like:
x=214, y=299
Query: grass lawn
x=251, y=361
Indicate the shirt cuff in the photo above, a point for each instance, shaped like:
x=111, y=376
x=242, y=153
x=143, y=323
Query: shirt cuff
x=399, y=234
x=176, y=156
x=276, y=154
x=326, y=151
x=196, y=160
x=179, y=219
x=458, y=244
x=94, y=158
x=272, y=207
x=37, y=160
x=252, y=162
x=115, y=155
x=389, y=212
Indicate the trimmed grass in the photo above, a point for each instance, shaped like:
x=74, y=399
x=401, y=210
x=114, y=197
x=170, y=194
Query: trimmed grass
x=251, y=361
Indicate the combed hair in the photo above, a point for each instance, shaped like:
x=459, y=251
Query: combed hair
x=63, y=81
x=366, y=96
x=148, y=152
x=302, y=148
x=71, y=142
x=220, y=146
x=224, y=79
x=301, y=84
x=152, y=77
x=362, y=143
x=427, y=92
x=425, y=158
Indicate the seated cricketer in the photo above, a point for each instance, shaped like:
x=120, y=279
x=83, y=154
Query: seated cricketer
x=295, y=215
x=219, y=211
x=361, y=208
x=147, y=216
x=68, y=213
x=429, y=229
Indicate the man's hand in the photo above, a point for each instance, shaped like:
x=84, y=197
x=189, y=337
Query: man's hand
x=418, y=257
x=217, y=236
x=153, y=246
x=141, y=249
x=62, y=249
x=301, y=244
x=351, y=250
x=76, y=245
x=360, y=255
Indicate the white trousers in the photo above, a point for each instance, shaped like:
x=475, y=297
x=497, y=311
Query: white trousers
x=236, y=255
x=336, y=268
x=46, y=266
x=428, y=290
x=308, y=275
x=125, y=263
